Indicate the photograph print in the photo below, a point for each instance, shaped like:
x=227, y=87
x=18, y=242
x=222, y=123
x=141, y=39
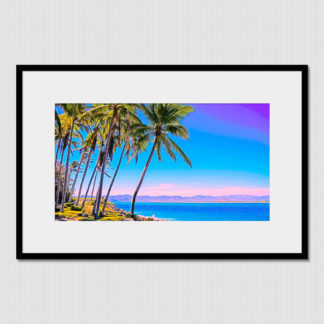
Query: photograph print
x=162, y=162
x=197, y=161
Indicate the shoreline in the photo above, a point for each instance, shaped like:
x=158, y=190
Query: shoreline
x=139, y=218
x=198, y=202
x=114, y=213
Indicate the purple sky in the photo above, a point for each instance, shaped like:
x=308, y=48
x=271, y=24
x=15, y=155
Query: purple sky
x=248, y=121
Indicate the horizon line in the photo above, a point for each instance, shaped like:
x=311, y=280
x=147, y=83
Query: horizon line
x=268, y=195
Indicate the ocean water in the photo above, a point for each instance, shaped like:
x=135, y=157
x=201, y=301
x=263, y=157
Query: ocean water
x=201, y=211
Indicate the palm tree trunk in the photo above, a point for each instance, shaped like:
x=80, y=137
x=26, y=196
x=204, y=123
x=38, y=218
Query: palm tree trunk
x=95, y=204
x=57, y=150
x=142, y=177
x=84, y=174
x=76, y=176
x=88, y=188
x=96, y=170
x=94, y=173
x=113, y=179
x=59, y=180
x=104, y=161
x=67, y=169
x=94, y=184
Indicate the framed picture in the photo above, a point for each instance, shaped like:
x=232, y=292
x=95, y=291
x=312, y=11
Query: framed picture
x=162, y=162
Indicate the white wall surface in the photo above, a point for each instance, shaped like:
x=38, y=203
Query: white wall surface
x=160, y=32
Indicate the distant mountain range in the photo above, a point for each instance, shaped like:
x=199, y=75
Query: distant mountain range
x=197, y=199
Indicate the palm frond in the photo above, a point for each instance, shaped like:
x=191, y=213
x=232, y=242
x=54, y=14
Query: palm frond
x=177, y=130
x=167, y=147
x=158, y=150
x=58, y=122
x=149, y=113
x=141, y=131
x=175, y=146
x=178, y=112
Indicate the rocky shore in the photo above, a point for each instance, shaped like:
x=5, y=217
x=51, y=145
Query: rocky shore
x=128, y=216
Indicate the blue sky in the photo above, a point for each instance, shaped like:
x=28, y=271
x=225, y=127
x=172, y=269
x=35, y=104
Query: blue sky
x=228, y=148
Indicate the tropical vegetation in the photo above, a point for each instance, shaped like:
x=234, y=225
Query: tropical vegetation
x=94, y=132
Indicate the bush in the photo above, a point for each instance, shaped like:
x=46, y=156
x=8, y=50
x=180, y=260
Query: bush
x=101, y=214
x=68, y=204
x=87, y=209
x=129, y=215
x=75, y=208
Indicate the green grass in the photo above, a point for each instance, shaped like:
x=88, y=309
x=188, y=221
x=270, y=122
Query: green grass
x=71, y=214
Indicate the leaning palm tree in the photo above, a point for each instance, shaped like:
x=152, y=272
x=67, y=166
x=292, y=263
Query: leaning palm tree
x=123, y=139
x=64, y=135
x=73, y=111
x=115, y=113
x=82, y=150
x=93, y=175
x=58, y=134
x=78, y=170
x=91, y=144
x=110, y=113
x=97, y=118
x=164, y=120
x=113, y=178
x=74, y=167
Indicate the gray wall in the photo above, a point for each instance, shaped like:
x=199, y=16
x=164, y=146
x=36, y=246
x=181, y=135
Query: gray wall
x=155, y=32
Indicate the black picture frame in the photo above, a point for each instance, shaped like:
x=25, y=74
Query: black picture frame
x=303, y=255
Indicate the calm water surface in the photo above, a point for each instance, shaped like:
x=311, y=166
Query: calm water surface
x=202, y=211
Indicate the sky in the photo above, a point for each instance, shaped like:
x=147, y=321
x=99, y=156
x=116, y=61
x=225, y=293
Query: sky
x=229, y=149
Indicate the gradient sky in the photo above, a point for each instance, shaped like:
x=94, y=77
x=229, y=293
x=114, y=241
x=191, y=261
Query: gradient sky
x=228, y=148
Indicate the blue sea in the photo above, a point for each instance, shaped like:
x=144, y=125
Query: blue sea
x=201, y=211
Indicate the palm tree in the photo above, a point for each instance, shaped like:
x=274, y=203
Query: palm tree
x=91, y=144
x=88, y=155
x=115, y=113
x=95, y=170
x=58, y=134
x=97, y=202
x=64, y=134
x=74, y=167
x=110, y=113
x=82, y=150
x=113, y=178
x=123, y=136
x=133, y=146
x=73, y=111
x=94, y=174
x=77, y=174
x=97, y=117
x=164, y=121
